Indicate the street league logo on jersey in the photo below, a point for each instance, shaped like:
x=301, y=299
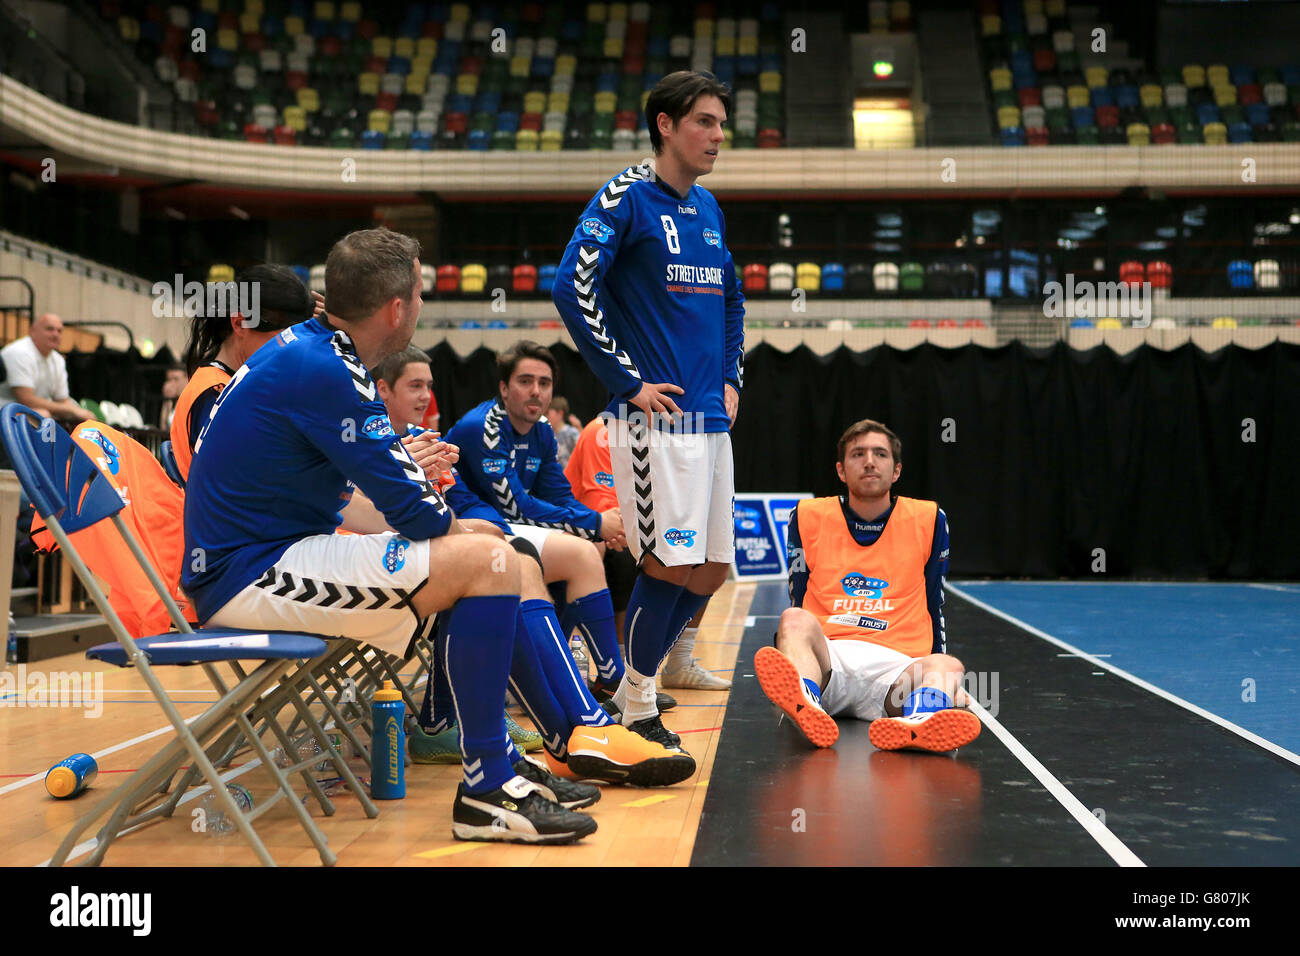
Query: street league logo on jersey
x=596, y=229
x=395, y=554
x=860, y=586
x=712, y=238
x=605, y=479
x=494, y=466
x=378, y=427
x=680, y=537
x=111, y=457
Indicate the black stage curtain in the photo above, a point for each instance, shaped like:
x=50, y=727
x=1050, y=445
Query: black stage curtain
x=1039, y=457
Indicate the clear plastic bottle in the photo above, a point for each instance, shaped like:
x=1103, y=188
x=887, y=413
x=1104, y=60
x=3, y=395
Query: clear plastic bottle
x=580, y=659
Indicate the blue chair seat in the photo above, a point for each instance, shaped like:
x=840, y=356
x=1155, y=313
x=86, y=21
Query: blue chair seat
x=214, y=644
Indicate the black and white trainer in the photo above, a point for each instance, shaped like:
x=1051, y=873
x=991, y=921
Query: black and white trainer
x=570, y=794
x=653, y=729
x=516, y=812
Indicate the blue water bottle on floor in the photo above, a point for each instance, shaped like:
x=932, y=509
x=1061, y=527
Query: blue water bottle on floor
x=68, y=778
x=388, y=745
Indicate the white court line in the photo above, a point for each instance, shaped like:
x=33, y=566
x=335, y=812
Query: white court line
x=1113, y=845
x=1134, y=679
x=1275, y=587
x=1131, y=584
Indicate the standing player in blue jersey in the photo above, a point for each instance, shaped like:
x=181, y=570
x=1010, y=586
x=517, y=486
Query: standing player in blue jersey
x=298, y=426
x=650, y=295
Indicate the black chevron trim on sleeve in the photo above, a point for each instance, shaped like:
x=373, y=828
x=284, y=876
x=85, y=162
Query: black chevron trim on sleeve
x=584, y=284
x=361, y=380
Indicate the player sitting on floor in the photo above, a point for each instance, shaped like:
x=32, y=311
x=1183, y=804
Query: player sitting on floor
x=299, y=422
x=865, y=636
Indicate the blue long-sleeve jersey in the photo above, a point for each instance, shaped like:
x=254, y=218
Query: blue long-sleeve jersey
x=503, y=476
x=649, y=292
x=866, y=533
x=297, y=427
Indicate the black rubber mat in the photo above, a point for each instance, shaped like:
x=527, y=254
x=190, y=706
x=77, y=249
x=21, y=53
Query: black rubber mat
x=1175, y=788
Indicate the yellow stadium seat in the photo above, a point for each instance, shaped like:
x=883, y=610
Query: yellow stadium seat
x=368, y=84
x=527, y=140
x=350, y=12
x=704, y=28
x=294, y=26
x=520, y=66
x=747, y=46
x=210, y=6
x=221, y=273
x=1139, y=134
x=1008, y=116
x=535, y=102
x=1152, y=95
x=1000, y=78
x=1109, y=323
x=725, y=46
x=552, y=140
x=1054, y=8
x=1095, y=76
x=565, y=64
x=769, y=81
x=309, y=99
x=606, y=101
x=415, y=83
x=128, y=28
x=1225, y=322
x=728, y=138
x=597, y=13
x=427, y=46
x=1077, y=95
x=295, y=117
x=1216, y=134
x=249, y=23
x=990, y=24
x=557, y=103
x=1224, y=95
x=473, y=277
x=1193, y=75
x=1216, y=74
x=324, y=10
x=467, y=84
x=613, y=47
x=1033, y=6
x=459, y=13
x=380, y=121
x=254, y=7
x=808, y=276
x=382, y=46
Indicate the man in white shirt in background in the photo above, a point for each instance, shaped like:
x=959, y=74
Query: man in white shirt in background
x=36, y=375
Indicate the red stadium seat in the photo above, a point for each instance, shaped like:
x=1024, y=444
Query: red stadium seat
x=1160, y=274
x=455, y=122
x=368, y=29
x=525, y=278
x=769, y=138
x=1030, y=96
x=448, y=279
x=254, y=133
x=919, y=324
x=531, y=121
x=1044, y=61
x=471, y=64
x=386, y=101
x=947, y=324
x=252, y=42
x=1107, y=115
x=329, y=46
x=974, y=324
x=1131, y=273
x=548, y=324
x=755, y=277
x=295, y=80
x=285, y=136
x=1164, y=134
x=374, y=64
x=625, y=119
x=1037, y=136
x=1249, y=93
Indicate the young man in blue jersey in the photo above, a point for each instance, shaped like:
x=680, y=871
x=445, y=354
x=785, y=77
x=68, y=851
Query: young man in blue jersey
x=299, y=425
x=864, y=634
x=649, y=292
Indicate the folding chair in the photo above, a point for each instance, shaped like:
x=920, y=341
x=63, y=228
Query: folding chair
x=70, y=493
x=169, y=464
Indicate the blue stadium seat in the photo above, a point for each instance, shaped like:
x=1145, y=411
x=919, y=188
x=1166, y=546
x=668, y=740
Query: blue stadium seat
x=421, y=140
x=1083, y=117
x=546, y=278
x=372, y=139
x=1101, y=96
x=833, y=277
x=1240, y=133
x=1013, y=136
x=1207, y=113
x=1241, y=274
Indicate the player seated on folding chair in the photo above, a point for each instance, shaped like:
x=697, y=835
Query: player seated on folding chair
x=864, y=636
x=297, y=427
x=405, y=383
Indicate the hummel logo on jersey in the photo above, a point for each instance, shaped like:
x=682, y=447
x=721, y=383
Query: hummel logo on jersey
x=712, y=238
x=494, y=466
x=686, y=210
x=679, y=536
x=596, y=229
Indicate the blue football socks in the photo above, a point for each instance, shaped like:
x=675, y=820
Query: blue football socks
x=478, y=648
x=926, y=700
x=593, y=615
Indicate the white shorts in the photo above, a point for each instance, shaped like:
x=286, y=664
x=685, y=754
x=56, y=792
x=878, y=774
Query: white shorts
x=676, y=493
x=861, y=675
x=532, y=534
x=357, y=586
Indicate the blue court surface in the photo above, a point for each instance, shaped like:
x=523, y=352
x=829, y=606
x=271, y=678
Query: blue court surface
x=1231, y=649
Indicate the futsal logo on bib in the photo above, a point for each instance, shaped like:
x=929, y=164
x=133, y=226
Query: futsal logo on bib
x=680, y=537
x=395, y=555
x=596, y=229
x=111, y=455
x=860, y=586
